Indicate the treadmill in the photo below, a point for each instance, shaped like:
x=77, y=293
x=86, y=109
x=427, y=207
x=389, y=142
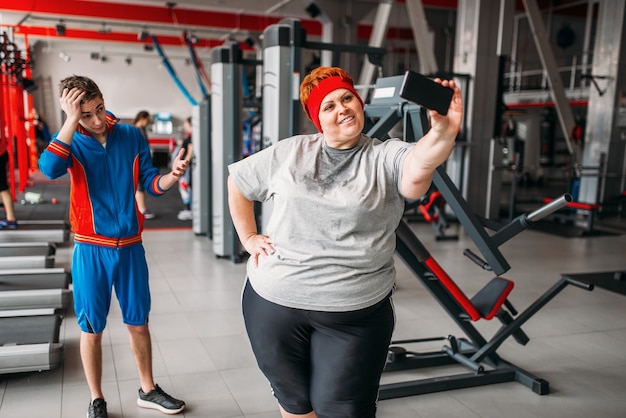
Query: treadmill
x=29, y=340
x=55, y=231
x=35, y=288
x=26, y=255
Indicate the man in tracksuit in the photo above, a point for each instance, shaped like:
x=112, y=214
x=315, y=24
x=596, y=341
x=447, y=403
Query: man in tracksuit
x=106, y=162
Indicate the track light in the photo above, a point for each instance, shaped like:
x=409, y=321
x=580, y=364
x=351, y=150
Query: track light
x=60, y=28
x=313, y=10
x=194, y=39
x=143, y=35
x=64, y=56
x=104, y=29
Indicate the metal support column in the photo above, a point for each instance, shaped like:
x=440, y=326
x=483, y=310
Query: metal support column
x=201, y=169
x=475, y=55
x=227, y=142
x=606, y=125
x=419, y=26
x=561, y=104
x=381, y=23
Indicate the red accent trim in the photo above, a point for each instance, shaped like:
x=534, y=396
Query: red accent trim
x=155, y=185
x=103, y=10
x=59, y=150
x=425, y=208
x=142, y=13
x=576, y=205
x=106, y=241
x=425, y=214
x=583, y=102
x=454, y=290
x=159, y=141
x=81, y=206
x=39, y=31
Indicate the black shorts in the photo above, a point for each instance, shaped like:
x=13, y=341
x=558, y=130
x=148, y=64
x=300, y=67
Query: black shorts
x=327, y=362
x=4, y=183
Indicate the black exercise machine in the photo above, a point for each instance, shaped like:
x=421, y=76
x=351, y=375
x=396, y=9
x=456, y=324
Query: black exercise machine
x=432, y=210
x=17, y=255
x=35, y=288
x=54, y=231
x=472, y=350
x=29, y=340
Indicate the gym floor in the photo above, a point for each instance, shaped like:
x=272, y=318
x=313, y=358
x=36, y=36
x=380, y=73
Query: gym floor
x=201, y=353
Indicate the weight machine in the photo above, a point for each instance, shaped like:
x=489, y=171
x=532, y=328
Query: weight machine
x=283, y=44
x=472, y=350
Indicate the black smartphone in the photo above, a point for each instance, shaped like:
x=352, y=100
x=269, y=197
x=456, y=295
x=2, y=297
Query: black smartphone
x=426, y=92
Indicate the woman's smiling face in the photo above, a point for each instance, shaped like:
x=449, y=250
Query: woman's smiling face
x=341, y=118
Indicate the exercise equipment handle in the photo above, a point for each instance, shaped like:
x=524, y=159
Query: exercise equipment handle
x=550, y=208
x=524, y=221
x=578, y=283
x=476, y=259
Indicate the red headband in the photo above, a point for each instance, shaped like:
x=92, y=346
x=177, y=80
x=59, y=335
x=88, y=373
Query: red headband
x=318, y=93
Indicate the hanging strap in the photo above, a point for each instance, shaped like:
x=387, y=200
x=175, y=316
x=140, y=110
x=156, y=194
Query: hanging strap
x=201, y=74
x=166, y=62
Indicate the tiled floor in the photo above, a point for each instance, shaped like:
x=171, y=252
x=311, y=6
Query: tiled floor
x=201, y=354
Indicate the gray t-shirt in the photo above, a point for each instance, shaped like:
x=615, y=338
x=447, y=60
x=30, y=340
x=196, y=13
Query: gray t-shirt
x=333, y=220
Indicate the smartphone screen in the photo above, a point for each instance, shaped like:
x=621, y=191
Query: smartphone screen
x=426, y=92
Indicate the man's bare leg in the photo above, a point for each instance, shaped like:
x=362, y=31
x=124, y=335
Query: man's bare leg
x=141, y=346
x=91, y=356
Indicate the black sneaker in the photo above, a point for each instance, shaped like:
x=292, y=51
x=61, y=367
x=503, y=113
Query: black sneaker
x=97, y=409
x=159, y=400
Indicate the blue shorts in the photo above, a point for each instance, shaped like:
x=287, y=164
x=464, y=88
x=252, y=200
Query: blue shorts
x=96, y=271
x=327, y=362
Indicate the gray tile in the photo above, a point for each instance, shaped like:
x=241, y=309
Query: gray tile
x=201, y=352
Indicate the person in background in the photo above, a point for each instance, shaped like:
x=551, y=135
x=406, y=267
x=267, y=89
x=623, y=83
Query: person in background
x=42, y=133
x=9, y=221
x=184, y=183
x=106, y=161
x=317, y=299
x=142, y=120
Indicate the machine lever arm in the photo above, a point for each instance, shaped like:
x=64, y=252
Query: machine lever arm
x=550, y=208
x=523, y=221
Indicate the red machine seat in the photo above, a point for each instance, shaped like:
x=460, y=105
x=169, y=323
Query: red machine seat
x=486, y=303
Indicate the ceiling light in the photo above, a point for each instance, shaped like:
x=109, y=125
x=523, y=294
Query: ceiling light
x=64, y=56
